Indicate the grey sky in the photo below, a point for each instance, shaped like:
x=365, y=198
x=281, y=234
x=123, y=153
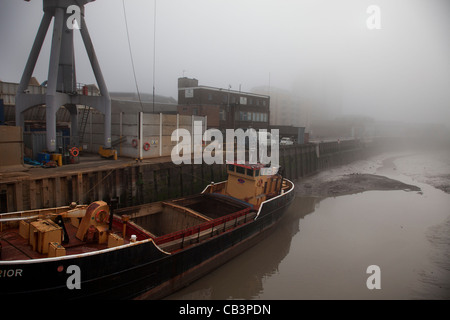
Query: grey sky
x=401, y=72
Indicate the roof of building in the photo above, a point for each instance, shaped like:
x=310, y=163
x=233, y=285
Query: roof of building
x=227, y=91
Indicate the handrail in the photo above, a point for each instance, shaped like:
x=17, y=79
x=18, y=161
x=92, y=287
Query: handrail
x=199, y=228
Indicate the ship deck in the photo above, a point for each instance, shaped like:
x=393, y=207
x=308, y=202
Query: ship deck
x=172, y=225
x=15, y=247
x=176, y=224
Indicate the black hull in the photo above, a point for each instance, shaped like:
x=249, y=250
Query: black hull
x=136, y=271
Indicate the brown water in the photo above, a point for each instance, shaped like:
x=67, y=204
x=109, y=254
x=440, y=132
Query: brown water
x=322, y=248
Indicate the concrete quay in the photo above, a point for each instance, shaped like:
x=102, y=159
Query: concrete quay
x=136, y=182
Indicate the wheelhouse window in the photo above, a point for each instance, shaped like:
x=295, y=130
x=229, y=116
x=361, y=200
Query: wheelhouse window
x=240, y=170
x=250, y=172
x=231, y=167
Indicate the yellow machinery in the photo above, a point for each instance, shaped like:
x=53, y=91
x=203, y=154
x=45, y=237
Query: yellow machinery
x=108, y=153
x=93, y=226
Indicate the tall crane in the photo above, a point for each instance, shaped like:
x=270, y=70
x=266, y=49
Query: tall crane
x=61, y=90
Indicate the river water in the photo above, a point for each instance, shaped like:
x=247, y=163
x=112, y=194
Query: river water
x=322, y=248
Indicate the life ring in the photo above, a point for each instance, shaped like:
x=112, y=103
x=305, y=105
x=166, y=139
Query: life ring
x=101, y=216
x=134, y=143
x=260, y=183
x=74, y=152
x=146, y=146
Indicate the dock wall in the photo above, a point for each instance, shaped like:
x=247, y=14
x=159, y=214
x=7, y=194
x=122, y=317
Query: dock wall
x=136, y=183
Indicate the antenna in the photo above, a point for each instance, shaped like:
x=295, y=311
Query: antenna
x=154, y=54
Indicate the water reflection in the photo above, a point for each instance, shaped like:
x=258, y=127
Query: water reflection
x=345, y=235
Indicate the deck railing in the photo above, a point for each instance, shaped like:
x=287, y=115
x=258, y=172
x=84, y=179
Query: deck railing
x=202, y=227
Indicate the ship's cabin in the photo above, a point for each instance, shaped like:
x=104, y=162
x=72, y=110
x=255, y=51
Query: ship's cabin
x=252, y=183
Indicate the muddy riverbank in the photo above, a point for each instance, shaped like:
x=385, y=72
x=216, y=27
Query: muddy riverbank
x=371, y=175
x=350, y=184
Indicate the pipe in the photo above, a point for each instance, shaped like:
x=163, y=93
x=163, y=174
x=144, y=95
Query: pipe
x=125, y=219
x=112, y=206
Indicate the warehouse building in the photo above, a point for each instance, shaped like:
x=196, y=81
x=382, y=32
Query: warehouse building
x=225, y=108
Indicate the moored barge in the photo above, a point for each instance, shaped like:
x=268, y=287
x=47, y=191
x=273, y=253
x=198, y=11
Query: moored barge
x=142, y=252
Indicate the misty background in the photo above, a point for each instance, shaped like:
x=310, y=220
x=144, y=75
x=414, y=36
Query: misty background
x=320, y=51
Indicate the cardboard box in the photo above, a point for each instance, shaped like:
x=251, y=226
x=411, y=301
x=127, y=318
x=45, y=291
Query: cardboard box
x=42, y=232
x=114, y=240
x=102, y=234
x=11, y=146
x=55, y=249
x=24, y=229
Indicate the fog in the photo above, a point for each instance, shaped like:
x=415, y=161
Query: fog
x=321, y=51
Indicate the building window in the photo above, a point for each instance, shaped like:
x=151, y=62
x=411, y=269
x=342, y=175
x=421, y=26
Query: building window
x=209, y=97
x=195, y=111
x=222, y=115
x=257, y=102
x=189, y=93
x=245, y=116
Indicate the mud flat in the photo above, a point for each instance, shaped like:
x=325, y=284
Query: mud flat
x=356, y=177
x=432, y=169
x=350, y=184
x=379, y=173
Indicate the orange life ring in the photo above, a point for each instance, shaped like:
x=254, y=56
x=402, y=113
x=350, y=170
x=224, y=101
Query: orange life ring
x=74, y=152
x=134, y=143
x=260, y=183
x=146, y=146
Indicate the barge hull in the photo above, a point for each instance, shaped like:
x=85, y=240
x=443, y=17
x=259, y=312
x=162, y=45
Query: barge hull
x=237, y=241
x=140, y=270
